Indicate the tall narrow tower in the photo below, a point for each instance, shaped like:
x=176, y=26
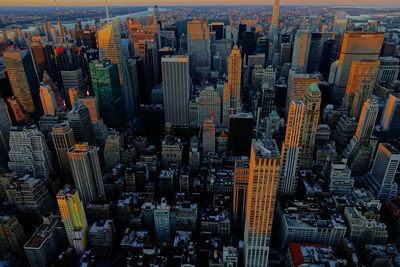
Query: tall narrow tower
x=291, y=149
x=261, y=195
x=275, y=14
x=234, y=76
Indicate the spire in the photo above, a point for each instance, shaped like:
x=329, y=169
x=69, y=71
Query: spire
x=107, y=12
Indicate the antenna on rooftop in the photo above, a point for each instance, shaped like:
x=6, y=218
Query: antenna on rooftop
x=107, y=12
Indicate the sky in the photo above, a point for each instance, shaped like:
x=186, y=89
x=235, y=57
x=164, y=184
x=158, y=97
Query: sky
x=193, y=2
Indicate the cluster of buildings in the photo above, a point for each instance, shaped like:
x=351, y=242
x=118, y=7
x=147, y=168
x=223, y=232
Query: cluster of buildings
x=238, y=142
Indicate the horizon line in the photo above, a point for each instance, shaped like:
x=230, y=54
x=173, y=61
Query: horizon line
x=186, y=5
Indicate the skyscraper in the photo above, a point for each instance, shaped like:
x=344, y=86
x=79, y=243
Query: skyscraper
x=367, y=120
x=380, y=180
x=300, y=51
x=5, y=124
x=23, y=79
x=176, y=79
x=312, y=103
x=85, y=165
x=29, y=152
x=340, y=21
x=12, y=235
x=355, y=47
x=240, y=133
x=48, y=100
x=208, y=136
x=241, y=181
x=107, y=90
x=109, y=41
x=273, y=32
x=291, y=148
x=235, y=77
x=390, y=120
x=199, y=49
x=80, y=122
x=63, y=139
x=260, y=202
x=361, y=83
x=389, y=69
x=74, y=218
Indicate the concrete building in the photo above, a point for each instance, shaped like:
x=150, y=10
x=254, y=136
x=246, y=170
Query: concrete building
x=12, y=236
x=300, y=50
x=208, y=136
x=102, y=234
x=340, y=179
x=389, y=69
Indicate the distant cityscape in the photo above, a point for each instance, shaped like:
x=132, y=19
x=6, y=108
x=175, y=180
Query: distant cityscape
x=200, y=136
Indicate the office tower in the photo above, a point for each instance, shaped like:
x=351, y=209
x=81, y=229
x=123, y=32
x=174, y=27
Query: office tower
x=102, y=234
x=5, y=124
x=361, y=83
x=291, y=149
x=356, y=46
x=176, y=82
x=208, y=136
x=162, y=222
x=235, y=77
x=317, y=41
x=340, y=181
x=12, y=236
x=340, y=21
x=301, y=50
x=298, y=86
x=329, y=55
x=30, y=196
x=388, y=69
x=46, y=243
x=380, y=179
x=73, y=79
x=240, y=133
x=86, y=38
x=312, y=103
x=198, y=42
x=107, y=90
x=109, y=41
x=47, y=99
x=133, y=72
x=112, y=148
x=241, y=181
x=207, y=105
x=29, y=152
x=275, y=14
x=74, y=218
x=91, y=103
x=268, y=99
x=171, y=153
x=223, y=47
x=260, y=202
x=79, y=120
x=85, y=165
x=23, y=79
x=218, y=28
x=390, y=120
x=43, y=58
x=285, y=53
x=63, y=139
x=18, y=115
x=273, y=32
x=367, y=120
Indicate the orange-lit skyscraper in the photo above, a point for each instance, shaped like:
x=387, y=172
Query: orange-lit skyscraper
x=355, y=47
x=241, y=181
x=234, y=77
x=300, y=50
x=312, y=103
x=390, y=120
x=198, y=41
x=361, y=83
x=260, y=202
x=291, y=149
x=368, y=116
x=74, y=219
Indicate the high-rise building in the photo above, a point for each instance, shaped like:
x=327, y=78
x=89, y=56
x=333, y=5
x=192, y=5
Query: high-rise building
x=367, y=120
x=356, y=46
x=389, y=69
x=301, y=50
x=298, y=86
x=110, y=48
x=315, y=55
x=85, y=165
x=86, y=38
x=112, y=149
x=48, y=100
x=44, y=60
x=240, y=133
x=291, y=148
x=235, y=77
x=390, y=120
x=107, y=90
x=273, y=32
x=380, y=180
x=241, y=181
x=23, y=79
x=198, y=42
x=63, y=139
x=46, y=243
x=29, y=152
x=260, y=202
x=361, y=83
x=74, y=219
x=80, y=122
x=162, y=222
x=207, y=105
x=12, y=236
x=312, y=103
x=340, y=21
x=268, y=99
x=208, y=136
x=176, y=82
x=5, y=125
